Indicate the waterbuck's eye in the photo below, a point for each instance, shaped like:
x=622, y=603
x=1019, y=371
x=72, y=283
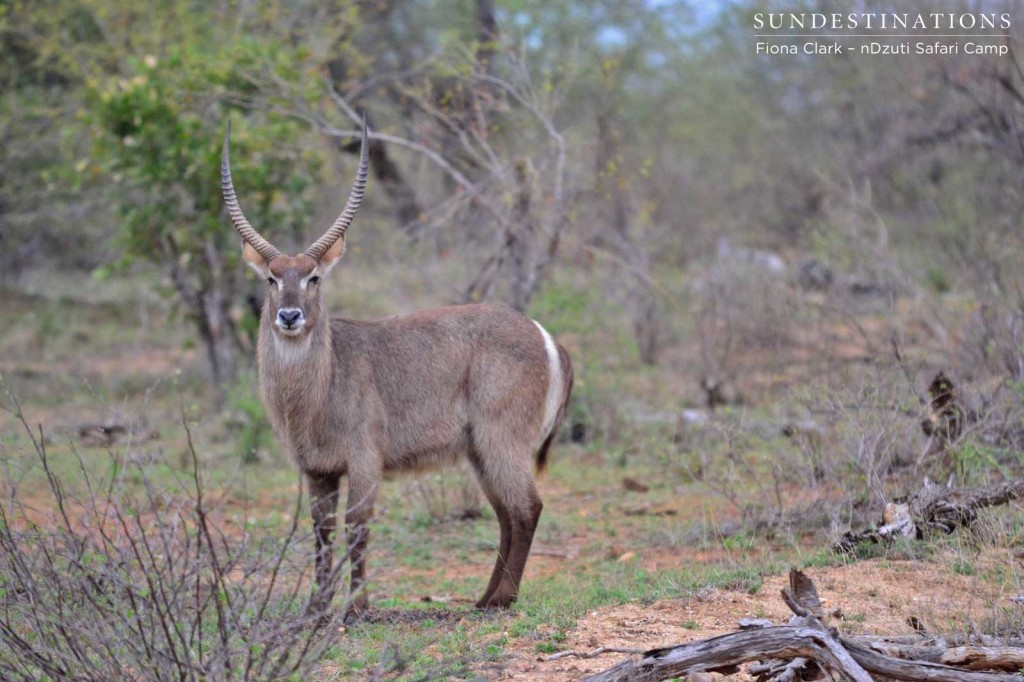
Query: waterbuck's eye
x=314, y=279
x=271, y=281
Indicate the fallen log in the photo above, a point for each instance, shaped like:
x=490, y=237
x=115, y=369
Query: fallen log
x=901, y=669
x=792, y=652
x=934, y=509
x=726, y=651
x=781, y=671
x=985, y=657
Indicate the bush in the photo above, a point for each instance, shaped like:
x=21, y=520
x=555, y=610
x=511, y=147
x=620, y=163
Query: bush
x=143, y=586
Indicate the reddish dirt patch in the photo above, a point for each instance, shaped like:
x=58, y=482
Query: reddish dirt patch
x=144, y=362
x=871, y=596
x=150, y=362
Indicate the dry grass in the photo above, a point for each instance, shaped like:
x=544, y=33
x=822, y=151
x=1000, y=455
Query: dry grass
x=733, y=497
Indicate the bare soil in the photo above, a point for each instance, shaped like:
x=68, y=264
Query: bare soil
x=877, y=596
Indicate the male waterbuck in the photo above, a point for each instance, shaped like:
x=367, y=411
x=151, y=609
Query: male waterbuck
x=363, y=398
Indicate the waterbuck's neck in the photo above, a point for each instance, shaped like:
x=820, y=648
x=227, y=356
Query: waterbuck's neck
x=295, y=373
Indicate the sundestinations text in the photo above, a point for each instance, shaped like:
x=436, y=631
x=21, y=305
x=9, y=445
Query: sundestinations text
x=837, y=21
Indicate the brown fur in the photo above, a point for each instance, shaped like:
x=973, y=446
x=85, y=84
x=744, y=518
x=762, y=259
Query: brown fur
x=363, y=398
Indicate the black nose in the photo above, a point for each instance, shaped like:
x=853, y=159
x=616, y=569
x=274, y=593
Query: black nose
x=289, y=316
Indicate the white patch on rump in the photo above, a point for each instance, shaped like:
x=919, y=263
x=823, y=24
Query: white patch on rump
x=554, y=396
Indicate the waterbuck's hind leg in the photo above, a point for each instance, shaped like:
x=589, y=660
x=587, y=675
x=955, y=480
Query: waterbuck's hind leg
x=524, y=525
x=513, y=494
x=323, y=501
x=504, y=544
x=362, y=493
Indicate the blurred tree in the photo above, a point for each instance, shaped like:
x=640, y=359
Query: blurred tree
x=623, y=70
x=635, y=134
x=40, y=91
x=161, y=129
x=159, y=87
x=497, y=174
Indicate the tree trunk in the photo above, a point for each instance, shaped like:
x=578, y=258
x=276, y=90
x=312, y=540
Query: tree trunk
x=522, y=241
x=208, y=306
x=608, y=183
x=635, y=265
x=217, y=332
x=486, y=34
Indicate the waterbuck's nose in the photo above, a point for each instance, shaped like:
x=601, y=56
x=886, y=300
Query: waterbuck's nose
x=289, y=317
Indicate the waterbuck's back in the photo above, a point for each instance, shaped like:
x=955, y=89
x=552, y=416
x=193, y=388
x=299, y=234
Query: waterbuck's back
x=441, y=383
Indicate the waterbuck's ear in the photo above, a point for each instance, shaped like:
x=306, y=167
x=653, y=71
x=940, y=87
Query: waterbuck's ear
x=333, y=255
x=255, y=261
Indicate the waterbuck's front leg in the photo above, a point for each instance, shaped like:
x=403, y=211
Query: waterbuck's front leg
x=323, y=501
x=362, y=492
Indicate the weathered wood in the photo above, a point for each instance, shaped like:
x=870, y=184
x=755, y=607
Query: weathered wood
x=782, y=642
x=786, y=652
x=803, y=592
x=910, y=640
x=802, y=598
x=899, y=669
x=985, y=657
x=908, y=652
x=780, y=671
x=787, y=643
x=755, y=623
x=937, y=651
x=591, y=654
x=903, y=527
x=937, y=508
x=993, y=495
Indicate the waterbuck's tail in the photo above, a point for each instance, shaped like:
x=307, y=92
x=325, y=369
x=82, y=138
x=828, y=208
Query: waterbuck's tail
x=565, y=365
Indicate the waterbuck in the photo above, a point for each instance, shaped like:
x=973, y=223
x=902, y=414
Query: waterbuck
x=363, y=398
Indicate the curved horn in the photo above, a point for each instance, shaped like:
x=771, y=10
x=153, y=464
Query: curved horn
x=250, y=235
x=355, y=198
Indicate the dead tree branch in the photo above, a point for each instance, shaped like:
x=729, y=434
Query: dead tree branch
x=793, y=651
x=593, y=654
x=935, y=508
x=727, y=651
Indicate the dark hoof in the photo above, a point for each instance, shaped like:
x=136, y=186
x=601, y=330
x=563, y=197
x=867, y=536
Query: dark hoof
x=497, y=601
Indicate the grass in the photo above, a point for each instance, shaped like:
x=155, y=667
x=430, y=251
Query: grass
x=714, y=515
